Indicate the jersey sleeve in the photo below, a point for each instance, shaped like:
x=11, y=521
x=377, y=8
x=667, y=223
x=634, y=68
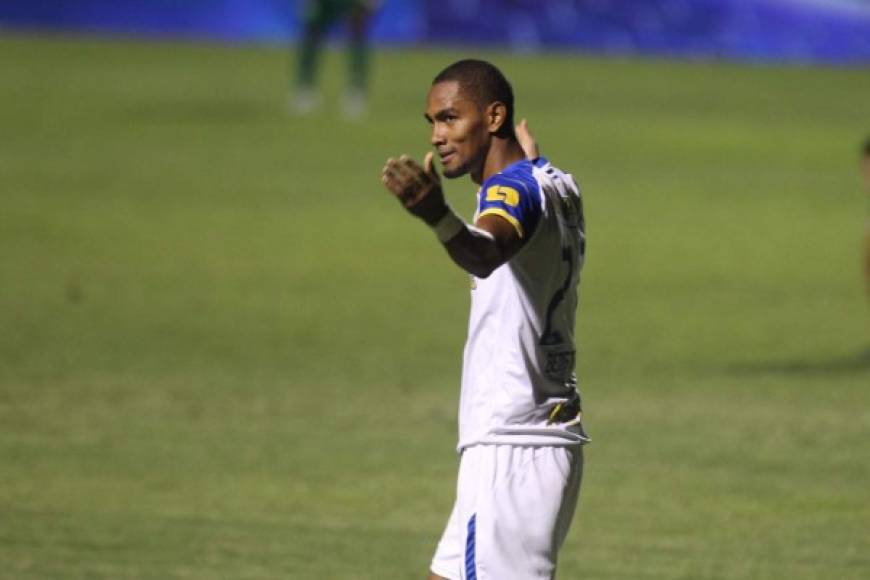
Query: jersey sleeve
x=513, y=198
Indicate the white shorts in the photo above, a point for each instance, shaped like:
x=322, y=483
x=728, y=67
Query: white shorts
x=514, y=505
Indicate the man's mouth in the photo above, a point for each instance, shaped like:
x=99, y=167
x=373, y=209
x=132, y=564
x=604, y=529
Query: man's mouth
x=445, y=157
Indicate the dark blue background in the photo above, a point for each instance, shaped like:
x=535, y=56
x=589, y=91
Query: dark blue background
x=836, y=31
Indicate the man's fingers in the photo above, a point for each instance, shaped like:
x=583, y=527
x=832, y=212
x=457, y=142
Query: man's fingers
x=404, y=180
x=389, y=170
x=397, y=185
x=399, y=170
x=390, y=182
x=399, y=189
x=413, y=170
x=414, y=174
x=393, y=178
x=407, y=180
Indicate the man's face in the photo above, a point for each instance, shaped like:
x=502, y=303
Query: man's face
x=459, y=131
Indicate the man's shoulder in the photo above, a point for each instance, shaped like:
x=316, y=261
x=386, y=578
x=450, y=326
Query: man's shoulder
x=519, y=176
x=513, y=194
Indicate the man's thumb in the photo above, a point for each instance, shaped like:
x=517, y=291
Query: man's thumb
x=527, y=142
x=429, y=166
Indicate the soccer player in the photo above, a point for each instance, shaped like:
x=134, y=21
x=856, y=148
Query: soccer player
x=520, y=431
x=320, y=16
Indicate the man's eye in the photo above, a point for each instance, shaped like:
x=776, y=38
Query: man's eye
x=450, y=118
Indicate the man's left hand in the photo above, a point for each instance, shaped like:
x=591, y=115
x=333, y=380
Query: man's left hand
x=417, y=188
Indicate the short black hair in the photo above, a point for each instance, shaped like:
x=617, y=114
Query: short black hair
x=482, y=82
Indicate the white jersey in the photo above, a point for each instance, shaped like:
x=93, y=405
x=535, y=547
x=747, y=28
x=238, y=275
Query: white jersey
x=519, y=358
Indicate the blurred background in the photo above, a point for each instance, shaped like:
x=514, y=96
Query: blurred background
x=225, y=352
x=809, y=30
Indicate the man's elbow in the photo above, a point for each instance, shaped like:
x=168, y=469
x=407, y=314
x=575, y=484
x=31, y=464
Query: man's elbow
x=481, y=270
x=479, y=265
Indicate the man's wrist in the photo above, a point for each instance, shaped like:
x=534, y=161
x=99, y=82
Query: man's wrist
x=448, y=226
x=437, y=215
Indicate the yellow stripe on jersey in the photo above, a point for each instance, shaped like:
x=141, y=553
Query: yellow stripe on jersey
x=503, y=213
x=508, y=195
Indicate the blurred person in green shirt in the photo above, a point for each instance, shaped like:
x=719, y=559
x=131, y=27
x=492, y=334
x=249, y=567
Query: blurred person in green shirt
x=319, y=17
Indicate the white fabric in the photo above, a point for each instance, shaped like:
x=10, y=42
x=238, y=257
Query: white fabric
x=519, y=356
x=522, y=499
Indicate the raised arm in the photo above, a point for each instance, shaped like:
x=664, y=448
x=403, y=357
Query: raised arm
x=478, y=249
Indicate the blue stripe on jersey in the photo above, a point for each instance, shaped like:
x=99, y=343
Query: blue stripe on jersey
x=513, y=194
x=470, y=562
x=540, y=162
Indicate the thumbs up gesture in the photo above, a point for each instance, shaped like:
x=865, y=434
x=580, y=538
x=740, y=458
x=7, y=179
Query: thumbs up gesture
x=417, y=188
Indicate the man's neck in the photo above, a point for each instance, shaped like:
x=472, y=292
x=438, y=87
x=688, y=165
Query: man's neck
x=502, y=152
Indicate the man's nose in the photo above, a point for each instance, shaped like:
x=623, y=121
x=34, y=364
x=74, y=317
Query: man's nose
x=437, y=136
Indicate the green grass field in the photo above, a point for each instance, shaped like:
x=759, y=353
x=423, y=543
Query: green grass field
x=225, y=352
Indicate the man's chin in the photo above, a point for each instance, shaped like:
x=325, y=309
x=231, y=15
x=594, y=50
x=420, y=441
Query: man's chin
x=453, y=172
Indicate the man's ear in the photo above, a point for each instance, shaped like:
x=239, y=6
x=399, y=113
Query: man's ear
x=496, y=116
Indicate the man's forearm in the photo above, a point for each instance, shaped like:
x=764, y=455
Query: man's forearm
x=476, y=251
